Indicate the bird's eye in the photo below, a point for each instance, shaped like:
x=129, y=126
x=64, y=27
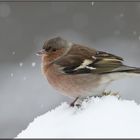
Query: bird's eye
x=53, y=49
x=48, y=48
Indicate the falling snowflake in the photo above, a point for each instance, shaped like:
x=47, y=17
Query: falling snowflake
x=92, y=3
x=20, y=64
x=12, y=75
x=134, y=32
x=121, y=15
x=139, y=37
x=24, y=78
x=33, y=64
x=13, y=52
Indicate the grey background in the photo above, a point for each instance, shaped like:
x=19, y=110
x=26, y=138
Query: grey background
x=24, y=93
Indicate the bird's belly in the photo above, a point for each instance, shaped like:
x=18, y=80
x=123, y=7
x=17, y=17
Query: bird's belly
x=80, y=85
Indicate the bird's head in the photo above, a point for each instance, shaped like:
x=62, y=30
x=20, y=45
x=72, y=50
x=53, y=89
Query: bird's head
x=53, y=48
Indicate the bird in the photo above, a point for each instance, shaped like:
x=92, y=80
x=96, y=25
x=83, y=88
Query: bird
x=80, y=71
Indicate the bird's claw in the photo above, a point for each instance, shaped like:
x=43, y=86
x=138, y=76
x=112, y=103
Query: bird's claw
x=73, y=105
x=111, y=94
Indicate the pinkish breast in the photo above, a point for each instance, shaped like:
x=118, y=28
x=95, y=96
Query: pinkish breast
x=73, y=85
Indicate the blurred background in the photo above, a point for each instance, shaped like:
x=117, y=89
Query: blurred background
x=24, y=93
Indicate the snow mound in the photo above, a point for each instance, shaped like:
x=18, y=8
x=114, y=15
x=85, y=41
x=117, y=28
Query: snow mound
x=106, y=117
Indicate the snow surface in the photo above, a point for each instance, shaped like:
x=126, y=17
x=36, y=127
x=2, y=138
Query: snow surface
x=106, y=117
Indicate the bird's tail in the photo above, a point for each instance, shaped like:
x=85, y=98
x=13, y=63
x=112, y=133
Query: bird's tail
x=135, y=70
x=128, y=70
x=124, y=72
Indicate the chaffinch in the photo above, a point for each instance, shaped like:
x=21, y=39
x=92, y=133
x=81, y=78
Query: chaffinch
x=79, y=71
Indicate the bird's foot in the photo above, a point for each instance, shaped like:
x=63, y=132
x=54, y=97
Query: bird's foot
x=98, y=96
x=74, y=103
x=111, y=94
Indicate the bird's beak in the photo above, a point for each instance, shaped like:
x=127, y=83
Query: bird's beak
x=41, y=52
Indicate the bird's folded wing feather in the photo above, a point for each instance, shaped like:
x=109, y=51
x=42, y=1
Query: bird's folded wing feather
x=82, y=60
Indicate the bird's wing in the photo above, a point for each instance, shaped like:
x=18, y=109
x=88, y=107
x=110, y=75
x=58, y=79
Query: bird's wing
x=82, y=60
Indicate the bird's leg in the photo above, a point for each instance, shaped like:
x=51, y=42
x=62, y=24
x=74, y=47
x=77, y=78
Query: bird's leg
x=73, y=103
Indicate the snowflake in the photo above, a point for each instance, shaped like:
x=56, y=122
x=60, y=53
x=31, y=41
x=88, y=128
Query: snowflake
x=134, y=32
x=13, y=53
x=92, y=3
x=33, y=64
x=12, y=75
x=24, y=78
x=20, y=64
